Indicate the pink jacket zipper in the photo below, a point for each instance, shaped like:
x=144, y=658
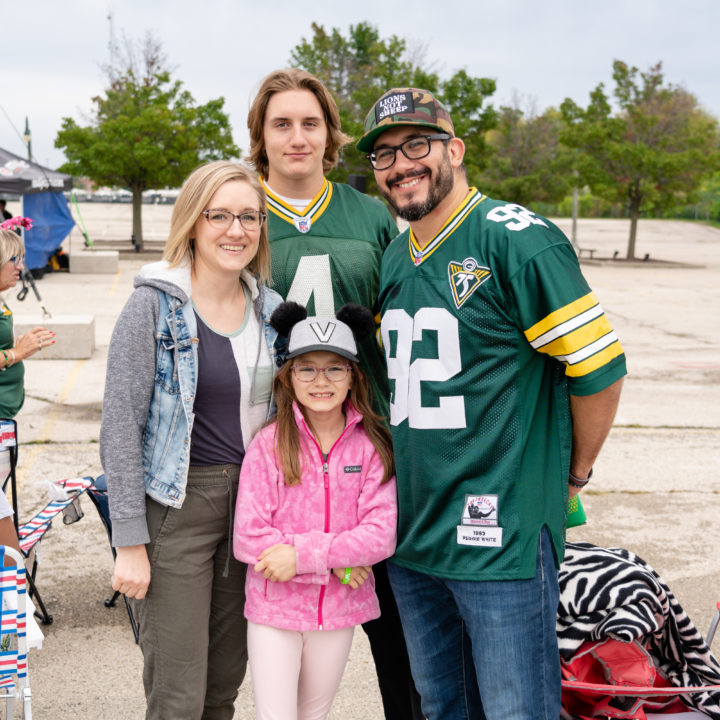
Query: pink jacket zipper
x=326, y=484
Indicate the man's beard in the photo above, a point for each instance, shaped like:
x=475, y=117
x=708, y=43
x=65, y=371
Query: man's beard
x=441, y=184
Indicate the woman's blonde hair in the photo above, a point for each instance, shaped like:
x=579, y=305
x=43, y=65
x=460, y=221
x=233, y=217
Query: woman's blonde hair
x=287, y=437
x=195, y=194
x=11, y=244
x=293, y=79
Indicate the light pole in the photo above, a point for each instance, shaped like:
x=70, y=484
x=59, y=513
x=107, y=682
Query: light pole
x=27, y=137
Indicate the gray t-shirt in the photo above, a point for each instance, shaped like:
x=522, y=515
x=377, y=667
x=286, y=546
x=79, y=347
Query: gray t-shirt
x=216, y=434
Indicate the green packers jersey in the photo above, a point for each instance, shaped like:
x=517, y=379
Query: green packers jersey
x=12, y=387
x=330, y=255
x=486, y=331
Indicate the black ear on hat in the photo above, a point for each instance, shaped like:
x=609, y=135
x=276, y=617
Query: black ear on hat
x=358, y=318
x=286, y=316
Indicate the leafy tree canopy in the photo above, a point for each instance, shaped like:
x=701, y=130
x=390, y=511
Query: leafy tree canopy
x=528, y=163
x=146, y=131
x=361, y=66
x=651, y=152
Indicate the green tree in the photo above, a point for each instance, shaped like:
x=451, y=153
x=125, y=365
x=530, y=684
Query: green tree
x=528, y=163
x=145, y=131
x=652, y=152
x=358, y=68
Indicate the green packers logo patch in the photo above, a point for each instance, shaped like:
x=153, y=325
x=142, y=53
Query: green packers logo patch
x=465, y=278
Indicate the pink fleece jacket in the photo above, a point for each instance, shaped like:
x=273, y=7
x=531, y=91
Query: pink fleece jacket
x=339, y=516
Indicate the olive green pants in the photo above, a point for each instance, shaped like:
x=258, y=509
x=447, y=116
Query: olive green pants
x=192, y=627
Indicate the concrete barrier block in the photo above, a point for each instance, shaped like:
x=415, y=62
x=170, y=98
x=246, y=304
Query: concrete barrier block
x=74, y=335
x=94, y=261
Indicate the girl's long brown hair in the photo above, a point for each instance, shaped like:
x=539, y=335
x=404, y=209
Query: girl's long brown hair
x=287, y=437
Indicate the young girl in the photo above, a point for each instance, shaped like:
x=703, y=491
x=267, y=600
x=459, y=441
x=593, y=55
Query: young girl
x=316, y=507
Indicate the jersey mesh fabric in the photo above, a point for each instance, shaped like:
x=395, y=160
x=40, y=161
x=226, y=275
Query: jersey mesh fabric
x=477, y=411
x=336, y=261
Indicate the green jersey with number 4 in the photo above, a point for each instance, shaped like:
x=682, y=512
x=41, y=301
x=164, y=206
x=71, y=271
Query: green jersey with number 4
x=330, y=255
x=486, y=330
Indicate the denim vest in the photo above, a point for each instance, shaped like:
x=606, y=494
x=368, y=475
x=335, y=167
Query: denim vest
x=166, y=439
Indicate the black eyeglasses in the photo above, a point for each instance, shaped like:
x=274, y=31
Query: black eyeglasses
x=308, y=373
x=223, y=219
x=17, y=260
x=413, y=148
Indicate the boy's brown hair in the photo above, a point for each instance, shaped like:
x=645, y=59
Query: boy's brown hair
x=293, y=79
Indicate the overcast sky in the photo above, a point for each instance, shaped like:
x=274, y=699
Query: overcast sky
x=51, y=53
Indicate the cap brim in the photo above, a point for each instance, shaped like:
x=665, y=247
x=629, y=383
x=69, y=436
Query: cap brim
x=324, y=348
x=366, y=142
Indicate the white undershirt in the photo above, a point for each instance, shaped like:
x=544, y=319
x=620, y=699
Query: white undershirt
x=298, y=204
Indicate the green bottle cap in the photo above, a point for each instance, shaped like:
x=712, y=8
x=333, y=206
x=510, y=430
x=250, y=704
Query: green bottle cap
x=576, y=512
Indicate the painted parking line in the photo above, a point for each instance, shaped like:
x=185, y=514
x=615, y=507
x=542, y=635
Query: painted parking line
x=116, y=282
x=30, y=453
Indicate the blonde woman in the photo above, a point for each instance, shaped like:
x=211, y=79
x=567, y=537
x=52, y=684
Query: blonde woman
x=13, y=351
x=189, y=381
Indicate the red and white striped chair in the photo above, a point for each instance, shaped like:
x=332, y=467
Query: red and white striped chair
x=32, y=532
x=14, y=680
x=66, y=496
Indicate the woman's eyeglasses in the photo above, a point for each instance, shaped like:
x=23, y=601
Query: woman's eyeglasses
x=223, y=219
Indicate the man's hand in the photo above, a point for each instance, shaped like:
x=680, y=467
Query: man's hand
x=358, y=575
x=278, y=563
x=132, y=571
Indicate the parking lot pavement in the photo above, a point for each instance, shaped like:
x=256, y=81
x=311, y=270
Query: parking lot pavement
x=656, y=488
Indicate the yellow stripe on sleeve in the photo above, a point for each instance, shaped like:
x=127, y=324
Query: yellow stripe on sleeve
x=560, y=316
x=579, y=338
x=595, y=361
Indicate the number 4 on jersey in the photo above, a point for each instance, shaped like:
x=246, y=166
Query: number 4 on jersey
x=313, y=281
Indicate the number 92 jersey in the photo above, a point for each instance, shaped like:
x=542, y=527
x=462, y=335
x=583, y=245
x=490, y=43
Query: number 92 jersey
x=486, y=330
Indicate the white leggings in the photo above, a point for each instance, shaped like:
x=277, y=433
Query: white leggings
x=295, y=675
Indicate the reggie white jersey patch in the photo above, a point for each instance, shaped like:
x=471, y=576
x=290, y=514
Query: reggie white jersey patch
x=479, y=522
x=465, y=278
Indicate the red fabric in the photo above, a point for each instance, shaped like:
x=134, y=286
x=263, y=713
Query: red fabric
x=614, y=664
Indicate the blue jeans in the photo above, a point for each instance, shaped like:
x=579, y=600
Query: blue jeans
x=493, y=640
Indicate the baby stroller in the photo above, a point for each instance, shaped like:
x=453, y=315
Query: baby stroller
x=628, y=650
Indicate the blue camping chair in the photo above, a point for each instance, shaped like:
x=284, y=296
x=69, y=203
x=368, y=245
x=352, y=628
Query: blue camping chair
x=99, y=497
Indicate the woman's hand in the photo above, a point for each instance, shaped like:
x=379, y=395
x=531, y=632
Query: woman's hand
x=277, y=563
x=33, y=341
x=132, y=571
x=358, y=575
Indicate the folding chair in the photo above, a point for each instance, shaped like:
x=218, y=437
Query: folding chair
x=32, y=532
x=98, y=495
x=14, y=681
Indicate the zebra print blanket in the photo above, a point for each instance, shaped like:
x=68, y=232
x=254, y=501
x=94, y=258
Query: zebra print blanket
x=610, y=592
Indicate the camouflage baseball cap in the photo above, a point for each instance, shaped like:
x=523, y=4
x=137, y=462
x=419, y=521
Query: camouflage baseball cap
x=404, y=106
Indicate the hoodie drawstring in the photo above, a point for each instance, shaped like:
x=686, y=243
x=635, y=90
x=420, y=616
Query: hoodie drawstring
x=226, y=475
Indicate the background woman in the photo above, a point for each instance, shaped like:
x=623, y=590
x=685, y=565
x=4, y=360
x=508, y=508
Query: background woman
x=189, y=380
x=12, y=351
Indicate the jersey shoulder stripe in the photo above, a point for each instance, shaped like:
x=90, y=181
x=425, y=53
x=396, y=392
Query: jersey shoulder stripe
x=560, y=316
x=578, y=334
